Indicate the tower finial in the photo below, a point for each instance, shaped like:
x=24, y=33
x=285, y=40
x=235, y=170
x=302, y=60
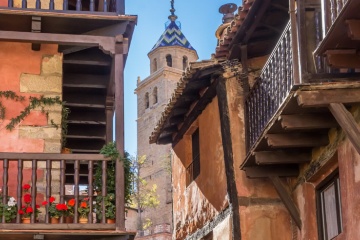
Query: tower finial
x=172, y=17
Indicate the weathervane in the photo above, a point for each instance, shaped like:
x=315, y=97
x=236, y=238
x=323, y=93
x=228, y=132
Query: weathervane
x=172, y=17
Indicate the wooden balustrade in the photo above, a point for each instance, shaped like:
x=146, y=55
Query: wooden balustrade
x=113, y=6
x=44, y=182
x=271, y=88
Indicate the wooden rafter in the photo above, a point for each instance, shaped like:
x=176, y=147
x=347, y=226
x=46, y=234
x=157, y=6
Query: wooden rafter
x=347, y=58
x=347, y=123
x=294, y=140
x=307, y=121
x=323, y=98
x=286, y=199
x=268, y=171
x=281, y=157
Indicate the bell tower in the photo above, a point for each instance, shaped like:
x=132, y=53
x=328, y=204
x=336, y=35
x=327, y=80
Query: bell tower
x=169, y=57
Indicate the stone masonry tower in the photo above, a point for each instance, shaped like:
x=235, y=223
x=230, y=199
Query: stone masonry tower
x=168, y=58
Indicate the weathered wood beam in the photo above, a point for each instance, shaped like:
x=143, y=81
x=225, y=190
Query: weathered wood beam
x=179, y=111
x=282, y=157
x=280, y=7
x=164, y=140
x=267, y=171
x=294, y=140
x=225, y=122
x=322, y=98
x=343, y=58
x=307, y=121
x=176, y=120
x=200, y=105
x=35, y=27
x=287, y=200
x=353, y=29
x=347, y=123
x=107, y=44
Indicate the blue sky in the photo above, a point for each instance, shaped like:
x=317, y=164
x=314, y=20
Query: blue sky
x=199, y=21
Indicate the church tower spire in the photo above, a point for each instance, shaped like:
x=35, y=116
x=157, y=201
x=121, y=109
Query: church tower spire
x=172, y=16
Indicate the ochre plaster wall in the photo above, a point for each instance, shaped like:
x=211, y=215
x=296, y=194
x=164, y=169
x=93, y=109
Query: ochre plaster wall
x=31, y=73
x=341, y=156
x=205, y=197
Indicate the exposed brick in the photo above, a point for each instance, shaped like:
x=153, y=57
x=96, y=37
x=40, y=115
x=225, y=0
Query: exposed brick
x=52, y=146
x=30, y=83
x=52, y=64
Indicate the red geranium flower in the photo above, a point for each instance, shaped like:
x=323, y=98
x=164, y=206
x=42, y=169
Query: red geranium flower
x=21, y=212
x=61, y=207
x=83, y=205
x=26, y=187
x=37, y=206
x=29, y=210
x=27, y=198
x=44, y=203
x=71, y=202
x=51, y=199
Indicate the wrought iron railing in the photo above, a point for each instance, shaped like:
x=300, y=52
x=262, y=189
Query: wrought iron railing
x=46, y=174
x=331, y=10
x=271, y=88
x=193, y=170
x=116, y=6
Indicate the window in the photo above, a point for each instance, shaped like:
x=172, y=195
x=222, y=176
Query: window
x=169, y=60
x=155, y=95
x=193, y=170
x=146, y=100
x=154, y=65
x=185, y=62
x=329, y=209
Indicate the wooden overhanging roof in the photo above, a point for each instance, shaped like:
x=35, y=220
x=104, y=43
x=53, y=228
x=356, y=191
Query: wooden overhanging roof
x=257, y=24
x=341, y=44
x=193, y=92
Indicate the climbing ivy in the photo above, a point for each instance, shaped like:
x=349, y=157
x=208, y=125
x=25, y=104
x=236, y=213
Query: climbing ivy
x=34, y=102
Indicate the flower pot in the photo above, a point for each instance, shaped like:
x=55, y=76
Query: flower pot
x=108, y=220
x=26, y=220
x=83, y=220
x=54, y=220
x=69, y=219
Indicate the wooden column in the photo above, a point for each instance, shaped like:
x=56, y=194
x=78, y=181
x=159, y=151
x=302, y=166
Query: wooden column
x=228, y=155
x=118, y=64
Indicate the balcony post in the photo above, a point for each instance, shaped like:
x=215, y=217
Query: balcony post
x=118, y=75
x=120, y=7
x=294, y=42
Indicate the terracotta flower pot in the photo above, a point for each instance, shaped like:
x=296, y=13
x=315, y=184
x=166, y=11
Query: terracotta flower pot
x=83, y=220
x=26, y=220
x=110, y=220
x=54, y=220
x=69, y=219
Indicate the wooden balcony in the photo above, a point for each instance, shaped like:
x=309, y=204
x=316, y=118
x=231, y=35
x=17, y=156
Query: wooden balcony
x=47, y=177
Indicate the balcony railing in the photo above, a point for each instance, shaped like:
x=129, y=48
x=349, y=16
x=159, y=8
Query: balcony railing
x=116, y=6
x=271, y=88
x=331, y=10
x=47, y=177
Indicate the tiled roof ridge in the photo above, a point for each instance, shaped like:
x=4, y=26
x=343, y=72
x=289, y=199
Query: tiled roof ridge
x=178, y=91
x=229, y=32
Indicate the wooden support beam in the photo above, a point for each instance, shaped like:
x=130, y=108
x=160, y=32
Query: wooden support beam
x=267, y=171
x=353, y=29
x=164, y=140
x=287, y=200
x=295, y=140
x=322, y=98
x=282, y=157
x=338, y=58
x=347, y=123
x=307, y=121
x=107, y=44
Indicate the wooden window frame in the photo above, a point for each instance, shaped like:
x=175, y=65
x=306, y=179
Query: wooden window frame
x=193, y=169
x=332, y=180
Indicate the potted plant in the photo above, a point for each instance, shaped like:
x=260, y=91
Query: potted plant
x=69, y=214
x=8, y=210
x=110, y=208
x=83, y=210
x=56, y=210
x=27, y=210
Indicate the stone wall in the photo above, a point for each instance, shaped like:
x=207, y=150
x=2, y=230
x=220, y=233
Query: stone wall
x=31, y=73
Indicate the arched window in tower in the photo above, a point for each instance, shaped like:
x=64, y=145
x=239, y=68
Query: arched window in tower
x=154, y=64
x=185, y=62
x=155, y=95
x=146, y=100
x=169, y=60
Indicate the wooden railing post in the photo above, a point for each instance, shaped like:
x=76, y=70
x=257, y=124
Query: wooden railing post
x=294, y=42
x=5, y=183
x=33, y=189
x=90, y=189
x=76, y=190
x=19, y=189
x=120, y=7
